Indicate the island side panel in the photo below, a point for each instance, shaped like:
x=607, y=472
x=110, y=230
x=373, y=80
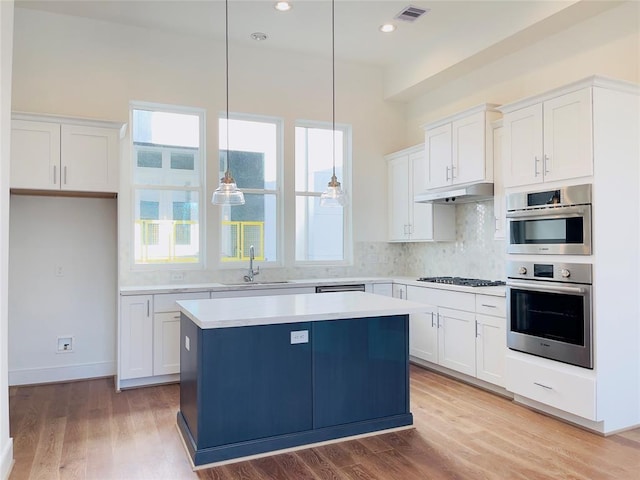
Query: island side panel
x=360, y=370
x=255, y=383
x=190, y=336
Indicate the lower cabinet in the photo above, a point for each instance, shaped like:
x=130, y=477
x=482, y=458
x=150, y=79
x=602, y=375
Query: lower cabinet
x=166, y=343
x=456, y=332
x=136, y=334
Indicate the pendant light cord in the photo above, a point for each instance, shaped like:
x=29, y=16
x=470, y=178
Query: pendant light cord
x=226, y=45
x=333, y=84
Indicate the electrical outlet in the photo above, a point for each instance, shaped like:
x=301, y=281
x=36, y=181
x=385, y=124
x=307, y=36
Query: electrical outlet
x=59, y=271
x=299, y=336
x=65, y=344
x=177, y=276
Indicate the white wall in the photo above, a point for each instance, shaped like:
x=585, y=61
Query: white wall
x=6, y=41
x=54, y=72
x=608, y=44
x=78, y=234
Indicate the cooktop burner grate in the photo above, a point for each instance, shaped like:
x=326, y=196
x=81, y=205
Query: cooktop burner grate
x=465, y=282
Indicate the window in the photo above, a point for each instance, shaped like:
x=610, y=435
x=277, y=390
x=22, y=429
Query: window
x=168, y=146
x=321, y=232
x=254, y=157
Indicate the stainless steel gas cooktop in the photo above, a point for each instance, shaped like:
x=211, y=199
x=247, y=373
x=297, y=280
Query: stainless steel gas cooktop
x=465, y=282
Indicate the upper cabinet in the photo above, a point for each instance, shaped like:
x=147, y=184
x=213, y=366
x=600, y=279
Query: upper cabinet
x=409, y=221
x=548, y=140
x=459, y=148
x=64, y=154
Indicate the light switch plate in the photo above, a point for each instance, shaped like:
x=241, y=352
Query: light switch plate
x=299, y=336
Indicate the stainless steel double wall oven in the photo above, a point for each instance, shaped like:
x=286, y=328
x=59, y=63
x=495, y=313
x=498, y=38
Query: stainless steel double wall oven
x=549, y=301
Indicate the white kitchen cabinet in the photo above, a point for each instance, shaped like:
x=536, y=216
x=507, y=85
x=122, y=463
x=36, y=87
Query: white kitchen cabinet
x=459, y=148
x=399, y=291
x=49, y=154
x=548, y=140
x=423, y=334
x=385, y=289
x=464, y=332
x=410, y=221
x=136, y=337
x=499, y=198
x=456, y=340
x=166, y=331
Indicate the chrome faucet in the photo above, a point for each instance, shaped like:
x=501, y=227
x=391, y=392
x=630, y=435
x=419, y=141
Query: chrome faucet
x=252, y=272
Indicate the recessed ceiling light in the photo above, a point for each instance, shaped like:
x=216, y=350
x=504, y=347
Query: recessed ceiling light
x=282, y=6
x=387, y=28
x=259, y=36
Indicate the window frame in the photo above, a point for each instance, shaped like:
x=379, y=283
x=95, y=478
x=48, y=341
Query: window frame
x=201, y=189
x=278, y=192
x=345, y=181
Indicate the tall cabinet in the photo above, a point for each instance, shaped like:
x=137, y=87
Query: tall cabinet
x=410, y=221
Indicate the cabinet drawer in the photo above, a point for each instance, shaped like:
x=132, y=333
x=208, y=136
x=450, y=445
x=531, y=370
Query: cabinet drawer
x=557, y=387
x=490, y=305
x=166, y=302
x=442, y=298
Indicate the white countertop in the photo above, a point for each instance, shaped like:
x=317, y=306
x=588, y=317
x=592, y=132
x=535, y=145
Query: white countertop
x=310, y=307
x=221, y=287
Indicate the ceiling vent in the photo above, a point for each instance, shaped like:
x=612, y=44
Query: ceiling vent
x=411, y=13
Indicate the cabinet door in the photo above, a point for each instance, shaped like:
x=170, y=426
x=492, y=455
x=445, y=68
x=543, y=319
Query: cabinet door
x=523, y=147
x=468, y=138
x=568, y=151
x=89, y=159
x=166, y=343
x=35, y=155
x=423, y=335
x=360, y=370
x=457, y=340
x=399, y=198
x=499, y=199
x=438, y=153
x=385, y=289
x=491, y=348
x=420, y=214
x=136, y=337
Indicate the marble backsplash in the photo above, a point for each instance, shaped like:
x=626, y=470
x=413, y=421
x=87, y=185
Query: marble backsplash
x=475, y=253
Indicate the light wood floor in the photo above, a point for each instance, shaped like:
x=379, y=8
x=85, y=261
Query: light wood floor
x=84, y=430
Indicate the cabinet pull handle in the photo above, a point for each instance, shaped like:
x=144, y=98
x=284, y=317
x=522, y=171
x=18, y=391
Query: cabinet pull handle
x=477, y=329
x=438, y=320
x=65, y=174
x=488, y=306
x=453, y=169
x=55, y=174
x=447, y=173
x=546, y=163
x=432, y=322
x=543, y=386
x=535, y=165
x=147, y=308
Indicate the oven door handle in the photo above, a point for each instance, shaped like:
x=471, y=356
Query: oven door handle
x=551, y=289
x=551, y=212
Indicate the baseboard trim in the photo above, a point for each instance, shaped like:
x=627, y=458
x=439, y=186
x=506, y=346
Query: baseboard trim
x=6, y=460
x=30, y=376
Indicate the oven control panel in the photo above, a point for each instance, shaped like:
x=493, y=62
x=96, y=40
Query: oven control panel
x=552, y=272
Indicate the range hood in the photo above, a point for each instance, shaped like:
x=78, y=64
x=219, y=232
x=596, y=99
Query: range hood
x=457, y=194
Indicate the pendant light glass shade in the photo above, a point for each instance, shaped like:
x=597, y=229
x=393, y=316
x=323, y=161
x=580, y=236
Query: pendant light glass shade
x=333, y=196
x=227, y=194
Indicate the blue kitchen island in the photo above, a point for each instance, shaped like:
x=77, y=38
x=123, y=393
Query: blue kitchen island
x=262, y=374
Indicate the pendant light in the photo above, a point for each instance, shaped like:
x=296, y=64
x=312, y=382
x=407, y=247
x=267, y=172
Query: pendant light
x=227, y=194
x=333, y=196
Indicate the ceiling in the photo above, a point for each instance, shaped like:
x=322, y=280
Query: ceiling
x=451, y=33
